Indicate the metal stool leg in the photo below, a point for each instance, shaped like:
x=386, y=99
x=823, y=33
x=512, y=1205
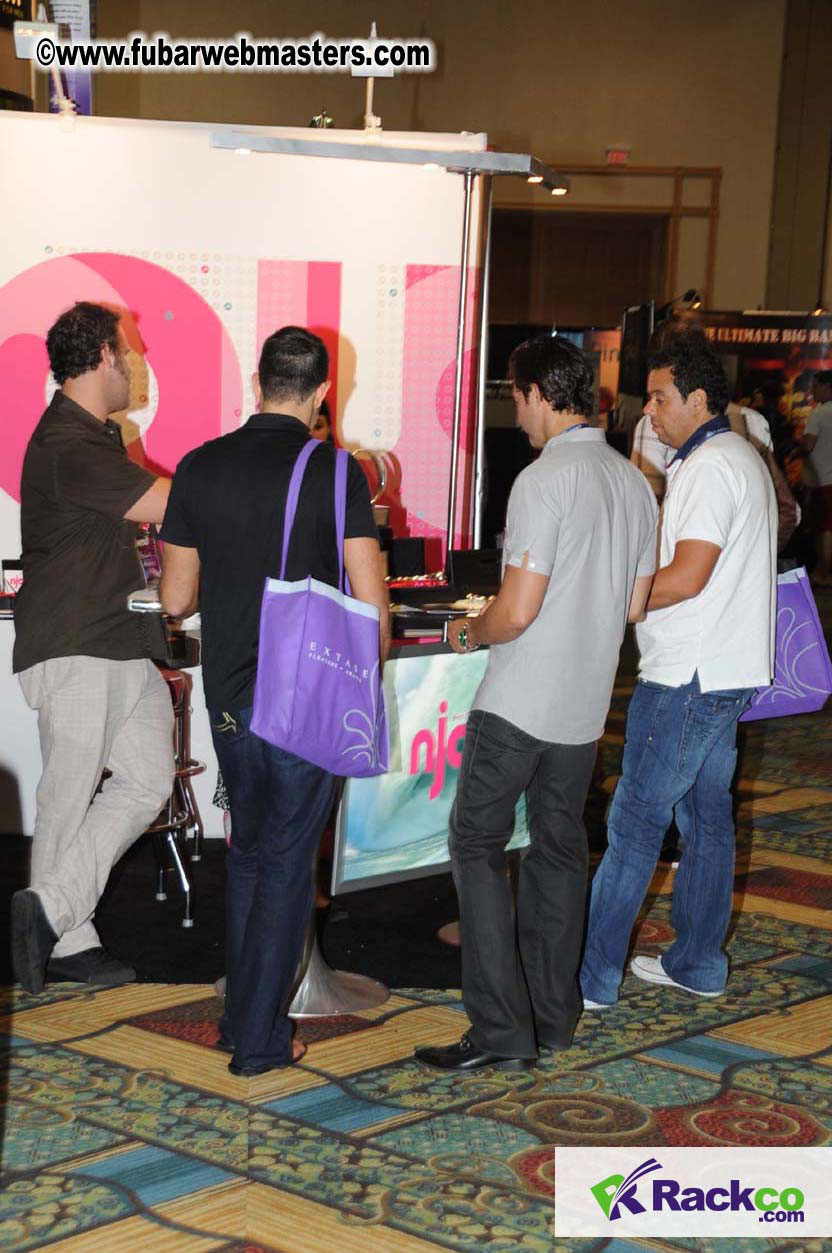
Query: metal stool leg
x=170, y=832
x=187, y=921
x=196, y=818
x=162, y=868
x=161, y=855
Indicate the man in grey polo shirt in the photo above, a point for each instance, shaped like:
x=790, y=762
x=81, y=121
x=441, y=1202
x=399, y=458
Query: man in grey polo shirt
x=579, y=555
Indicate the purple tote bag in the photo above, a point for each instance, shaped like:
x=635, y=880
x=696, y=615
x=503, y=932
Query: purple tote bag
x=802, y=670
x=318, y=692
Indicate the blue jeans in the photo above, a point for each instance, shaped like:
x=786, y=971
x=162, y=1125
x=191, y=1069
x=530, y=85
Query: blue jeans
x=279, y=806
x=679, y=758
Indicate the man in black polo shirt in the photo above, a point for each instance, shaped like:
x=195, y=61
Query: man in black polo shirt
x=83, y=659
x=223, y=534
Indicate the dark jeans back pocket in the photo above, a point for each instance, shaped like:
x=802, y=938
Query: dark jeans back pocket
x=229, y=725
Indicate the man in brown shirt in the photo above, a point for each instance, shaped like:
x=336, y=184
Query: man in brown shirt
x=83, y=659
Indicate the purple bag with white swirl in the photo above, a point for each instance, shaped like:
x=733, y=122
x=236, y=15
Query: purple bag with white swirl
x=802, y=669
x=318, y=692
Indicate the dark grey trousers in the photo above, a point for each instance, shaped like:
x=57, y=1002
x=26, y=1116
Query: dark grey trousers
x=519, y=977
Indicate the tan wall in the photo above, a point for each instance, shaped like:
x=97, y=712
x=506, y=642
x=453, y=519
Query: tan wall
x=827, y=281
x=15, y=75
x=800, y=203
x=681, y=83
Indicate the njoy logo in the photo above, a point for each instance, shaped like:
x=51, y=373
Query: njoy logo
x=440, y=749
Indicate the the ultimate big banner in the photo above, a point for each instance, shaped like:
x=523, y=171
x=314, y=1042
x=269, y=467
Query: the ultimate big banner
x=206, y=251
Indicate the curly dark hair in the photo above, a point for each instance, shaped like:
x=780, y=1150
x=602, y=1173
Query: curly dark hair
x=693, y=363
x=75, y=341
x=560, y=370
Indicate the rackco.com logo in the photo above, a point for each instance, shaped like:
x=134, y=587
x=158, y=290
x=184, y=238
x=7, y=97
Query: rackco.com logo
x=617, y=1193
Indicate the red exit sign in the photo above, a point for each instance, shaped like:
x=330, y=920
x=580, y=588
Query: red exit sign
x=618, y=156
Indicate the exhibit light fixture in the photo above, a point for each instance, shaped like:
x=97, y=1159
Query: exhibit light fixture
x=27, y=36
x=321, y=121
x=341, y=146
x=819, y=310
x=689, y=299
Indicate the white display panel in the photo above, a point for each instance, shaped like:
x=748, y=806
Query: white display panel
x=395, y=826
x=206, y=252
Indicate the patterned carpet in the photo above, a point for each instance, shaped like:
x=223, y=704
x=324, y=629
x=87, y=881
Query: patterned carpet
x=125, y=1131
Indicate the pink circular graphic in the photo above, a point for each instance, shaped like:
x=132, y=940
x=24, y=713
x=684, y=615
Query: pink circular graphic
x=428, y=380
x=445, y=389
x=183, y=340
x=23, y=370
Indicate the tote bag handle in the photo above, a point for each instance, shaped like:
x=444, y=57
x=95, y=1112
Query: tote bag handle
x=293, y=497
x=298, y=470
x=341, y=462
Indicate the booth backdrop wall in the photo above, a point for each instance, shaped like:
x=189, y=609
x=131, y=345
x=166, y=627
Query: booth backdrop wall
x=207, y=252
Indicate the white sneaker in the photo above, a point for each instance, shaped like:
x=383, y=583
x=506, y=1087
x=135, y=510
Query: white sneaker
x=596, y=1004
x=651, y=970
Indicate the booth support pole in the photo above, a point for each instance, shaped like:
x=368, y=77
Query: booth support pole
x=479, y=456
x=460, y=357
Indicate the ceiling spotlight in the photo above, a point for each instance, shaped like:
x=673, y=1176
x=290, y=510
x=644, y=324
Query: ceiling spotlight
x=535, y=178
x=688, y=300
x=819, y=310
x=560, y=191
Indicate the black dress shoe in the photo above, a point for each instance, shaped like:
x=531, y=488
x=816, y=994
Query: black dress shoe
x=250, y=1072
x=553, y=1046
x=94, y=966
x=465, y=1055
x=32, y=940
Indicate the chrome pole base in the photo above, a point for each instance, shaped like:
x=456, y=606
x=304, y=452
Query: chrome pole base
x=324, y=992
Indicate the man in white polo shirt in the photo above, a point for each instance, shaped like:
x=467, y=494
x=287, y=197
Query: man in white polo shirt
x=653, y=457
x=706, y=643
x=579, y=556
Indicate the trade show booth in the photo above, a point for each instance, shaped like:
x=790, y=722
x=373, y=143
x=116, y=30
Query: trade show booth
x=207, y=239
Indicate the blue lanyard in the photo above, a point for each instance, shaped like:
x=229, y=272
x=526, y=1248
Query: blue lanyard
x=714, y=426
x=579, y=426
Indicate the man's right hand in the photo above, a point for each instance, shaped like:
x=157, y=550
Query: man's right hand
x=455, y=626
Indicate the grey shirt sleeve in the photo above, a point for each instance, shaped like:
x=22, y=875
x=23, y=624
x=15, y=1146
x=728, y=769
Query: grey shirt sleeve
x=647, y=556
x=532, y=526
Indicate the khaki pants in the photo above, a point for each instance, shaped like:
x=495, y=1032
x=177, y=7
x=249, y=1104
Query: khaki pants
x=94, y=713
